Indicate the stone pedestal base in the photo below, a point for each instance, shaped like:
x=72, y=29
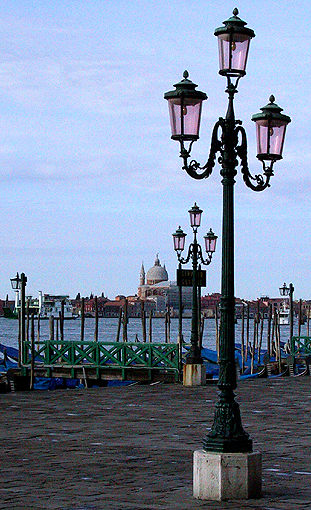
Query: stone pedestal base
x=194, y=375
x=220, y=476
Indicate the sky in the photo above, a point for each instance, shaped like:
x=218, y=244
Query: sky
x=91, y=183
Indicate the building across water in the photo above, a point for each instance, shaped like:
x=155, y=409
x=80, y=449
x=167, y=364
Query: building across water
x=46, y=305
x=164, y=293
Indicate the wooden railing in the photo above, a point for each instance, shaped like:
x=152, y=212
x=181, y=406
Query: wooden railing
x=300, y=346
x=117, y=356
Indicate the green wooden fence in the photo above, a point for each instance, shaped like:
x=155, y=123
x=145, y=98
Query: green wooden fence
x=100, y=355
x=300, y=346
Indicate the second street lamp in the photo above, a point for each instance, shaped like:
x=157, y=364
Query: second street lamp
x=229, y=141
x=196, y=256
x=289, y=291
x=19, y=283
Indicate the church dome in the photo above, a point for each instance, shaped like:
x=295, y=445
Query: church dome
x=157, y=273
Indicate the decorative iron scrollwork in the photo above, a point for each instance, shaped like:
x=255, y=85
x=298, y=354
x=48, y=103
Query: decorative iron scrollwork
x=216, y=146
x=262, y=181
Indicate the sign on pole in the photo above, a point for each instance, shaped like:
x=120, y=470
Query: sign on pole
x=184, y=278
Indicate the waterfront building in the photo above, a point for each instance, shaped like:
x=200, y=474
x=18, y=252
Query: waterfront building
x=47, y=305
x=89, y=306
x=50, y=305
x=209, y=304
x=7, y=308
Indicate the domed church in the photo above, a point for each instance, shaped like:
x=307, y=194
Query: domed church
x=157, y=273
x=157, y=287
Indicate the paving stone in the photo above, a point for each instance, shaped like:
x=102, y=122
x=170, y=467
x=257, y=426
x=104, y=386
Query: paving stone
x=131, y=448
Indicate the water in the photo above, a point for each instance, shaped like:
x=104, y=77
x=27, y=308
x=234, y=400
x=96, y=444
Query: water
x=107, y=331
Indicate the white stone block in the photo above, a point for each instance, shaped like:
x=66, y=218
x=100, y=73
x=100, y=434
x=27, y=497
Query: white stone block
x=194, y=375
x=221, y=476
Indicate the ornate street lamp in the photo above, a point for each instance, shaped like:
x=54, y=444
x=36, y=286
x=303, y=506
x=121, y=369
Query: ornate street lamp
x=289, y=291
x=16, y=282
x=284, y=291
x=229, y=141
x=19, y=283
x=196, y=255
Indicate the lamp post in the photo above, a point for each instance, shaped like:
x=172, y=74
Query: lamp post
x=229, y=141
x=289, y=291
x=196, y=255
x=19, y=283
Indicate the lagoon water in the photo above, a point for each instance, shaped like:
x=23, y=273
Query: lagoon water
x=108, y=330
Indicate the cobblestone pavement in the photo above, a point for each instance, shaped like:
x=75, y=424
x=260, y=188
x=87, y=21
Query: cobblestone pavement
x=131, y=448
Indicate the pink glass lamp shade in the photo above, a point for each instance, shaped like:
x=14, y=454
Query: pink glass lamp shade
x=179, y=238
x=210, y=241
x=185, y=106
x=270, y=131
x=195, y=216
x=233, y=45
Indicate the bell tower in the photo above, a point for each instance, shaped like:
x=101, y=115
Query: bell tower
x=142, y=275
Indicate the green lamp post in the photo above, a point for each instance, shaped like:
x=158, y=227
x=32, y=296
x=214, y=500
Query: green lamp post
x=19, y=283
x=289, y=291
x=229, y=141
x=196, y=255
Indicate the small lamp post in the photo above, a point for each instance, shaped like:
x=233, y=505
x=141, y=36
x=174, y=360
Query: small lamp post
x=227, y=435
x=196, y=255
x=19, y=284
x=289, y=291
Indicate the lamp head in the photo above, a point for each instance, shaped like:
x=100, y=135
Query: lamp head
x=185, y=105
x=233, y=45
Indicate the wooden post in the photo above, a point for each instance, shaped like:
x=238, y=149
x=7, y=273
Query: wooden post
x=51, y=325
x=277, y=332
x=150, y=326
x=269, y=331
x=247, y=333
x=299, y=317
x=27, y=323
x=32, y=352
x=254, y=344
x=202, y=322
x=257, y=322
x=143, y=321
x=272, y=335
x=5, y=357
x=278, y=342
x=119, y=325
x=38, y=332
x=57, y=323
x=169, y=325
x=96, y=320
x=125, y=321
x=61, y=320
x=82, y=320
x=242, y=341
x=279, y=346
x=260, y=339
